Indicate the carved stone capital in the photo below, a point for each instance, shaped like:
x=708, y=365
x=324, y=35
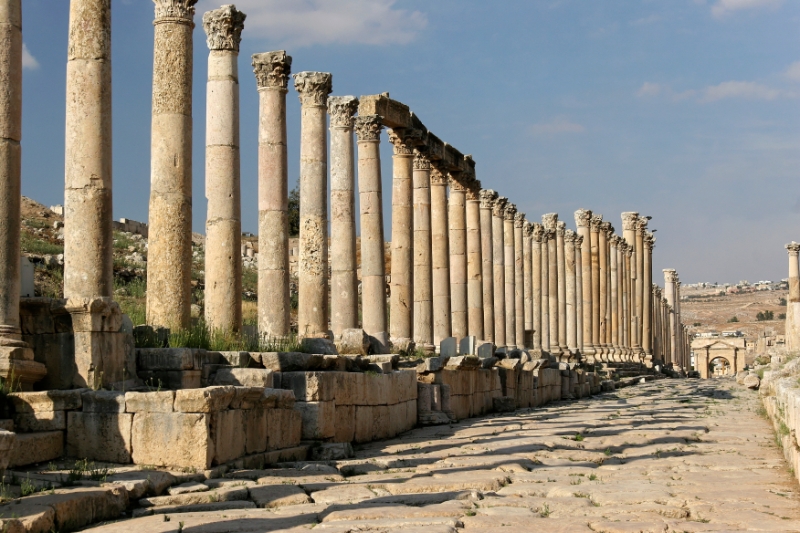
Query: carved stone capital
x=578, y=240
x=538, y=232
x=341, y=110
x=401, y=147
x=421, y=159
x=550, y=220
x=527, y=229
x=519, y=220
x=499, y=208
x=474, y=191
x=641, y=224
x=224, y=27
x=272, y=69
x=510, y=212
x=649, y=240
x=175, y=11
x=488, y=196
x=670, y=275
x=368, y=128
x=793, y=248
x=570, y=236
x=594, y=223
x=313, y=88
x=561, y=227
x=456, y=182
x=549, y=235
x=628, y=250
x=582, y=218
x=607, y=228
x=438, y=177
x=629, y=219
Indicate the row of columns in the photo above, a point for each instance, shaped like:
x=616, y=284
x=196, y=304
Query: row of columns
x=793, y=300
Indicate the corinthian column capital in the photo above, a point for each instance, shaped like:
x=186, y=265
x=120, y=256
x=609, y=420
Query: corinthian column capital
x=570, y=236
x=510, y=212
x=224, y=27
x=368, y=128
x=474, y=190
x=272, y=69
x=670, y=275
x=641, y=224
x=313, y=87
x=629, y=219
x=538, y=232
x=582, y=218
x=499, y=208
x=438, y=177
x=561, y=227
x=519, y=220
x=456, y=181
x=793, y=248
x=607, y=228
x=342, y=109
x=649, y=240
x=550, y=220
x=177, y=10
x=594, y=223
x=400, y=143
x=527, y=228
x=421, y=159
x=488, y=196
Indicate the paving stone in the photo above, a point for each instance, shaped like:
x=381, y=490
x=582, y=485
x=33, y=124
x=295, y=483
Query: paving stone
x=270, y=496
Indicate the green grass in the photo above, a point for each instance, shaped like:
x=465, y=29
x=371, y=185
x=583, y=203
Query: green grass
x=199, y=336
x=122, y=241
x=32, y=245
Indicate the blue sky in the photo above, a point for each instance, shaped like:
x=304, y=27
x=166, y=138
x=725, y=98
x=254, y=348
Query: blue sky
x=686, y=110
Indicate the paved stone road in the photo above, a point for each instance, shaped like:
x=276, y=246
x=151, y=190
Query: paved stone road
x=674, y=455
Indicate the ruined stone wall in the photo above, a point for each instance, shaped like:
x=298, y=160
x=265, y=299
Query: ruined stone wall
x=780, y=391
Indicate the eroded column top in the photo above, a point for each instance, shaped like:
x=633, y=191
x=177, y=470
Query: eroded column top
x=181, y=11
x=629, y=219
x=550, y=220
x=438, y=177
x=223, y=28
x=649, y=240
x=401, y=144
x=272, y=69
x=519, y=220
x=607, y=228
x=793, y=248
x=368, y=128
x=488, y=196
x=474, y=190
x=641, y=224
x=510, y=211
x=582, y=218
x=578, y=239
x=570, y=236
x=499, y=207
x=670, y=275
x=561, y=227
x=342, y=110
x=313, y=88
x=538, y=233
x=527, y=229
x=595, y=222
x=421, y=159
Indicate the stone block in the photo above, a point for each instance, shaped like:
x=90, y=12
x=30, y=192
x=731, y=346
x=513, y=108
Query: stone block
x=436, y=397
x=273, y=496
x=243, y=377
x=353, y=342
x=380, y=368
x=310, y=386
x=424, y=397
x=448, y=347
x=332, y=451
x=289, y=361
x=56, y=351
x=150, y=402
x=335, y=363
x=7, y=440
x=103, y=402
x=103, y=358
x=431, y=364
x=344, y=423
x=236, y=359
x=205, y=357
x=318, y=419
x=164, y=359
x=394, y=114
x=381, y=423
x=31, y=448
x=317, y=345
x=248, y=398
x=375, y=389
x=255, y=430
x=180, y=440
x=346, y=388
x=403, y=346
x=364, y=423
x=52, y=400
x=464, y=362
x=41, y=421
x=172, y=379
x=392, y=359
x=509, y=364
x=228, y=435
x=207, y=400
x=467, y=345
x=99, y=436
x=284, y=428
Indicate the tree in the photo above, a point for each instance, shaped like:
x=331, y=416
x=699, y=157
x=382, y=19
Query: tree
x=733, y=319
x=782, y=316
x=782, y=301
x=294, y=211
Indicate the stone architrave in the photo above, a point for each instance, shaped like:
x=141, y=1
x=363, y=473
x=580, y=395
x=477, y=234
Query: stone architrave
x=582, y=223
x=457, y=222
x=373, y=267
x=570, y=294
x=88, y=249
x=547, y=236
x=670, y=278
x=423, y=274
x=614, y=293
x=313, y=89
x=793, y=304
x=344, y=284
x=475, y=304
x=440, y=238
x=594, y=226
x=649, y=241
x=401, y=301
x=510, y=276
x=169, y=265
x=527, y=282
x=550, y=222
x=223, y=261
x=579, y=291
x=498, y=255
x=272, y=70
x=537, y=237
x=16, y=357
x=488, y=197
x=561, y=227
x=519, y=280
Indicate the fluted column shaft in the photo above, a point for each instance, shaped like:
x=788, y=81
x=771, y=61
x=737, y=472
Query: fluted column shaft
x=527, y=283
x=570, y=293
x=488, y=197
x=579, y=292
x=605, y=326
x=457, y=218
x=510, y=276
x=401, y=301
x=423, y=274
x=595, y=254
x=547, y=235
x=550, y=222
x=373, y=266
x=519, y=281
x=440, y=235
x=582, y=222
x=272, y=71
x=223, y=258
x=536, y=284
x=475, y=303
x=562, y=286
x=614, y=290
x=169, y=265
x=647, y=304
x=640, y=286
x=498, y=255
x=344, y=282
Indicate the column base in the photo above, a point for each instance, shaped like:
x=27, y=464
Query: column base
x=17, y=366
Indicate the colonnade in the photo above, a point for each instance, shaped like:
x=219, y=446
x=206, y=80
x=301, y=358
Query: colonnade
x=464, y=260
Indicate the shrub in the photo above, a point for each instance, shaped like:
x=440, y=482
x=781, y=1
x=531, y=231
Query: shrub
x=733, y=319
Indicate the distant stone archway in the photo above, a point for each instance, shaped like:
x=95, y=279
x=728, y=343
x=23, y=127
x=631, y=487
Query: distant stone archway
x=707, y=351
x=720, y=366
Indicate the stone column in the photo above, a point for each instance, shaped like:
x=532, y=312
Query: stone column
x=474, y=261
x=550, y=222
x=657, y=338
x=488, y=197
x=527, y=280
x=649, y=241
x=605, y=327
x=614, y=290
x=641, y=226
x=313, y=89
x=629, y=260
x=537, y=236
x=440, y=236
x=223, y=258
x=582, y=222
x=373, y=266
x=793, y=304
x=401, y=300
x=16, y=357
x=519, y=280
x=571, y=302
x=670, y=277
x=457, y=218
x=561, y=227
x=510, y=276
x=344, y=284
x=88, y=248
x=423, y=274
x=547, y=235
x=579, y=292
x=595, y=222
x=498, y=255
x=272, y=71
x=169, y=265
x=622, y=291
x=629, y=222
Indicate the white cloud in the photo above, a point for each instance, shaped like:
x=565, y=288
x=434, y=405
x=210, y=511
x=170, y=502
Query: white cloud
x=646, y=21
x=556, y=126
x=793, y=72
x=725, y=7
x=28, y=61
x=649, y=89
x=295, y=23
x=748, y=90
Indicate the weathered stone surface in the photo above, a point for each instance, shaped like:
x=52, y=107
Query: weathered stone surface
x=228, y=435
x=318, y=419
x=41, y=421
x=172, y=439
x=99, y=436
x=67, y=509
x=431, y=364
x=752, y=381
x=243, y=377
x=289, y=361
x=7, y=440
x=223, y=494
x=207, y=400
x=271, y=496
x=53, y=400
x=103, y=402
x=504, y=404
x=164, y=359
x=31, y=448
x=464, y=362
x=311, y=386
x=332, y=451
x=150, y=402
x=315, y=345
x=353, y=342
x=448, y=347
